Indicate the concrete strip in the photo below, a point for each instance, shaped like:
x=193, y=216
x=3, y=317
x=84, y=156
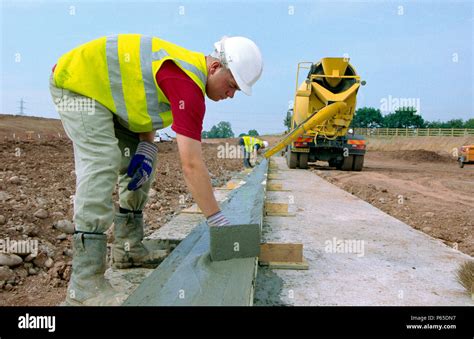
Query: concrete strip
x=178, y=227
x=127, y=280
x=220, y=195
x=189, y=277
x=398, y=265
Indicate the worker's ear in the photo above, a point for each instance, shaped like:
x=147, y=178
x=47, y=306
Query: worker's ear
x=214, y=67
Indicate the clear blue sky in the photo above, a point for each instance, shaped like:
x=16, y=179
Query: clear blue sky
x=403, y=49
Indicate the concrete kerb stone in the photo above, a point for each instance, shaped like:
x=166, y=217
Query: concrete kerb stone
x=235, y=241
x=166, y=237
x=188, y=276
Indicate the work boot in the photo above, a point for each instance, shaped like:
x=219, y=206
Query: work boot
x=87, y=286
x=128, y=249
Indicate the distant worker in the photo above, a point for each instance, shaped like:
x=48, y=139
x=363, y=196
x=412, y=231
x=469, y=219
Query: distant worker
x=137, y=85
x=251, y=145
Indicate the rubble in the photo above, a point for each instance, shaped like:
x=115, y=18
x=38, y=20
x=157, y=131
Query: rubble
x=38, y=206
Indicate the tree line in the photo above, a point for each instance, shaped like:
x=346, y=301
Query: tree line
x=403, y=117
x=224, y=130
x=365, y=117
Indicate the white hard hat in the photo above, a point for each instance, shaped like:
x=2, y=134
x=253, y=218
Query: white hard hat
x=265, y=144
x=243, y=58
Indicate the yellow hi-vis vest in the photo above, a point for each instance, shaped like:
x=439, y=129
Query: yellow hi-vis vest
x=250, y=142
x=119, y=72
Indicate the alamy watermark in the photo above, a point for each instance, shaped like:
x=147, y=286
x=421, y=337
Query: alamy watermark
x=19, y=246
x=47, y=322
x=66, y=104
x=391, y=104
x=229, y=151
x=345, y=246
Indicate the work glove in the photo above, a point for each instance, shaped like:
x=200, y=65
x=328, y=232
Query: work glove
x=141, y=165
x=218, y=219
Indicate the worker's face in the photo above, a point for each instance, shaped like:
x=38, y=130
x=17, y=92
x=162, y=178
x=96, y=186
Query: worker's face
x=220, y=82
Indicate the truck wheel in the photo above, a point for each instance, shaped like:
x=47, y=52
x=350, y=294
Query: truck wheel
x=291, y=159
x=303, y=160
x=347, y=163
x=358, y=163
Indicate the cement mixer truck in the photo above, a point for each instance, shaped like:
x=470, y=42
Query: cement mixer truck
x=323, y=109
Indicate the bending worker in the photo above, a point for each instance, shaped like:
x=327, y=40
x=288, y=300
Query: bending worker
x=137, y=85
x=250, y=146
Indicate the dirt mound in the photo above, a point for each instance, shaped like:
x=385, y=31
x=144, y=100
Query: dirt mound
x=419, y=155
x=37, y=184
x=23, y=127
x=440, y=145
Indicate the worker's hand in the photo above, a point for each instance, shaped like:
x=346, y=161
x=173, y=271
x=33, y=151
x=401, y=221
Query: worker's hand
x=141, y=165
x=218, y=219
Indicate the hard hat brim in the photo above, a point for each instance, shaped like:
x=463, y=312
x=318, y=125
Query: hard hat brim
x=242, y=85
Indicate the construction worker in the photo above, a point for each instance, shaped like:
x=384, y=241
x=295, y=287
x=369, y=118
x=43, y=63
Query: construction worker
x=137, y=84
x=251, y=146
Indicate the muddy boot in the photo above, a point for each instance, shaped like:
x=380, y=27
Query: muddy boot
x=87, y=286
x=128, y=249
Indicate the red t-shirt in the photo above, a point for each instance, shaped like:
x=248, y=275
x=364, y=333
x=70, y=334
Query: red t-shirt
x=186, y=98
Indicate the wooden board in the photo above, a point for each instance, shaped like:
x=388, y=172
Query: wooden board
x=276, y=207
x=280, y=214
x=273, y=176
x=278, y=252
x=274, y=186
x=287, y=265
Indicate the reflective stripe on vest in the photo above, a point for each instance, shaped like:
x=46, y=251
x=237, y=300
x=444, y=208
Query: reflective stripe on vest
x=124, y=81
x=115, y=78
x=158, y=55
x=151, y=92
